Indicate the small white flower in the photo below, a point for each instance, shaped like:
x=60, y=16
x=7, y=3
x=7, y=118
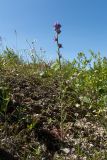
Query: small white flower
x=77, y=105
x=76, y=114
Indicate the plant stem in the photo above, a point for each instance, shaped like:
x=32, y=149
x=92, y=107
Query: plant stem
x=58, y=51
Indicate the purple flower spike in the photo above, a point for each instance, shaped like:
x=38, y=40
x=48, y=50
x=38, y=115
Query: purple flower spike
x=59, y=45
x=57, y=28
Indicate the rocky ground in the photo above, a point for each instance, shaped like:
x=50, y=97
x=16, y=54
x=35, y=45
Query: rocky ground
x=32, y=98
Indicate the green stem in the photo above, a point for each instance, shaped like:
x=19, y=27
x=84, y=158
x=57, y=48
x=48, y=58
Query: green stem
x=59, y=57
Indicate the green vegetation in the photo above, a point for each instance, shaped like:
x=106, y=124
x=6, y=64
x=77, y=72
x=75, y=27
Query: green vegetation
x=71, y=97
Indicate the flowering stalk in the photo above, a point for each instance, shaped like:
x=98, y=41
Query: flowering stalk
x=57, y=28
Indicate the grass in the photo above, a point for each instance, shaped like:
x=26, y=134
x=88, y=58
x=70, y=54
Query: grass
x=72, y=98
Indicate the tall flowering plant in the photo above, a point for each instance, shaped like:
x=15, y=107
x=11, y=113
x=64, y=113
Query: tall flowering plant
x=57, y=28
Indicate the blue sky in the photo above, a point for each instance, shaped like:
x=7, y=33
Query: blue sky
x=84, y=25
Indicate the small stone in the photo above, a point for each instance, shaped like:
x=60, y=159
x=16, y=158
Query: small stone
x=66, y=150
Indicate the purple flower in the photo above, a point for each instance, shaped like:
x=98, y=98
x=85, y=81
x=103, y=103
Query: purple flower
x=57, y=27
x=59, y=45
x=58, y=31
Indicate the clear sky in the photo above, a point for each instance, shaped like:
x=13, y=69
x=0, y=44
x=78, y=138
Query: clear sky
x=84, y=25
